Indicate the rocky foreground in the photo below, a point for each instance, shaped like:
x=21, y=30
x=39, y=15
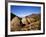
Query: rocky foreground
x=31, y=22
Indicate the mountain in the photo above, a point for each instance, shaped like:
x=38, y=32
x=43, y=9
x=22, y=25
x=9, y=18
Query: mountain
x=12, y=16
x=33, y=15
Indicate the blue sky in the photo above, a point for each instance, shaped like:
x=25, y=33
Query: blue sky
x=23, y=11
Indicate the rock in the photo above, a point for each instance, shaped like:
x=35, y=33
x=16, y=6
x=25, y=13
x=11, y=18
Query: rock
x=15, y=24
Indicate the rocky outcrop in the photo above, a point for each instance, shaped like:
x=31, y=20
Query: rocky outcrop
x=31, y=22
x=15, y=24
